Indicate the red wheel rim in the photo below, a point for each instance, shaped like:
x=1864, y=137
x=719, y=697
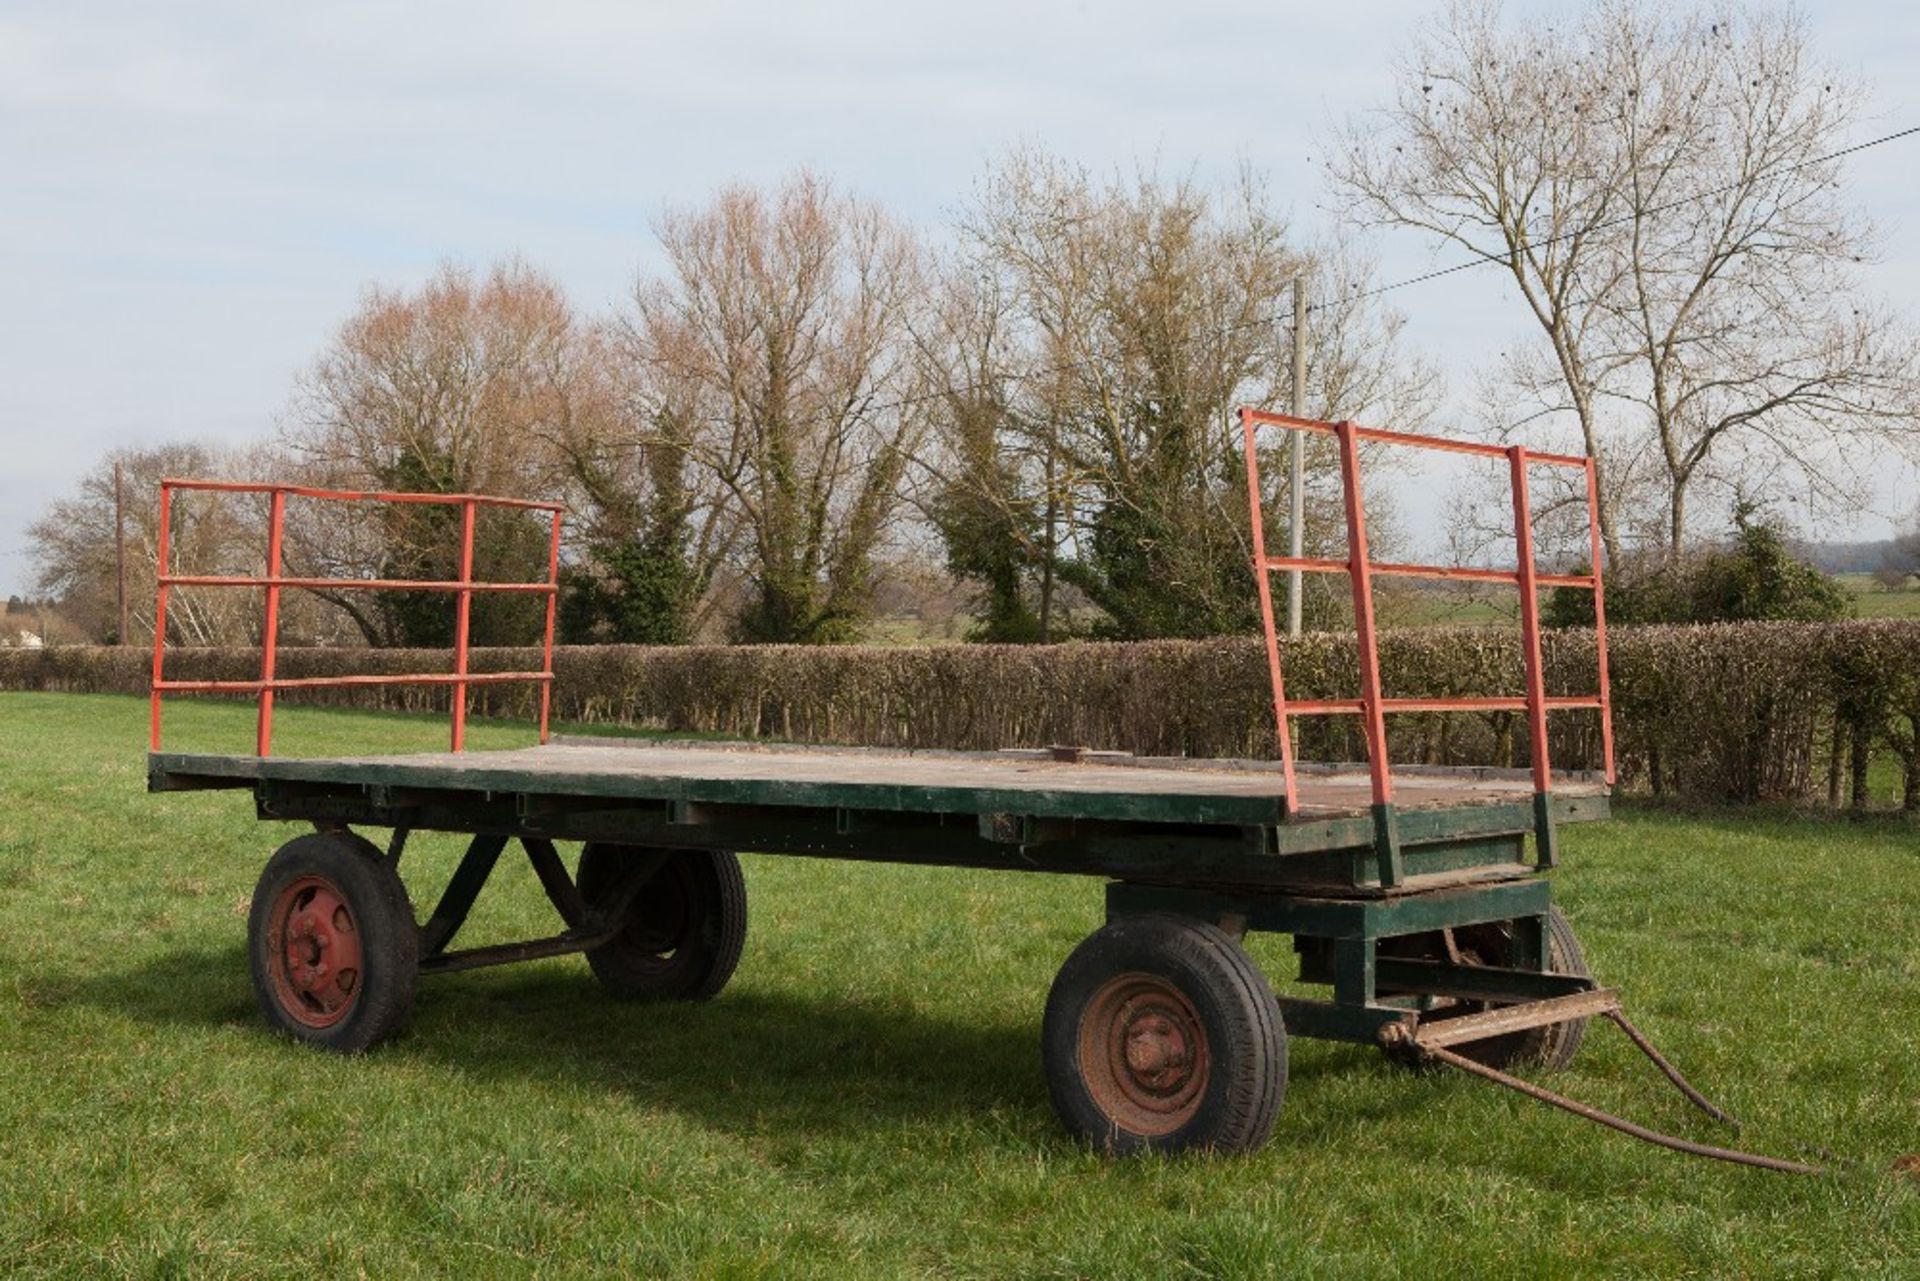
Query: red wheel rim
x=1143, y=1054
x=313, y=952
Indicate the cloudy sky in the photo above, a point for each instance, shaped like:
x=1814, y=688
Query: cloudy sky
x=193, y=194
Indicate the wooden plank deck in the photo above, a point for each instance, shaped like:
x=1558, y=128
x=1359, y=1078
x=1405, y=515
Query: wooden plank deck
x=1101, y=786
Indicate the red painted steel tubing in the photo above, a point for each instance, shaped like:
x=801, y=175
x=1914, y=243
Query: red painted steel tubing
x=1597, y=551
x=349, y=584
x=462, y=626
x=270, y=628
x=359, y=495
x=159, y=616
x=546, y=644
x=1343, y=706
x=1262, y=567
x=1320, y=565
x=1361, y=576
x=273, y=582
x=1326, y=706
x=1360, y=569
x=1384, y=436
x=342, y=682
x=1530, y=622
x=1311, y=564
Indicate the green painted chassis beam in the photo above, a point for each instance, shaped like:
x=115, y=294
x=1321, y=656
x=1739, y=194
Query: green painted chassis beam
x=1344, y=881
x=1339, y=918
x=175, y=771
x=1106, y=839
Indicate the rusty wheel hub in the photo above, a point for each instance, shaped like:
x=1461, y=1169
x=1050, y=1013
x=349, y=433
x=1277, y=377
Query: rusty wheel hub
x=314, y=952
x=1143, y=1054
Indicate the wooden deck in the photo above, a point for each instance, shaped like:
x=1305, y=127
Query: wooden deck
x=1101, y=785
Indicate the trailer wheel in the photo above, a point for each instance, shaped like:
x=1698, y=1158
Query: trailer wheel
x=1161, y=1035
x=684, y=927
x=332, y=943
x=1552, y=1047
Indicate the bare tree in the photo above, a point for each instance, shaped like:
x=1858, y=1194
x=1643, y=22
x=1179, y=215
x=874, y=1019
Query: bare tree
x=464, y=385
x=1661, y=188
x=74, y=548
x=1094, y=339
x=1901, y=558
x=659, y=533
x=777, y=347
x=1486, y=146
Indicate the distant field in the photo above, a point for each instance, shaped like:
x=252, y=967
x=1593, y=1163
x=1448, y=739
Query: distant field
x=866, y=1099
x=1870, y=600
x=1403, y=607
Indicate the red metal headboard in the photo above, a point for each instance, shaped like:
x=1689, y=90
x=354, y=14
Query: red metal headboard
x=273, y=581
x=1371, y=706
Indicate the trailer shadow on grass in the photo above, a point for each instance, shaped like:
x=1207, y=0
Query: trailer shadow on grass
x=750, y=1061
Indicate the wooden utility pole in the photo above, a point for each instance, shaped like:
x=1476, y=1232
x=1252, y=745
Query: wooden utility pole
x=1297, y=458
x=120, y=550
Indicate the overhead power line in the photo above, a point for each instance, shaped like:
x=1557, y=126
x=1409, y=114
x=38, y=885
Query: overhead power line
x=1358, y=295
x=1622, y=219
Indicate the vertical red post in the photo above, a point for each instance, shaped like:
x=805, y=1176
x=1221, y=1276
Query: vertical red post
x=553, y=601
x=159, y=614
x=1530, y=620
x=1262, y=577
x=270, y=631
x=1360, y=571
x=1597, y=553
x=462, y=625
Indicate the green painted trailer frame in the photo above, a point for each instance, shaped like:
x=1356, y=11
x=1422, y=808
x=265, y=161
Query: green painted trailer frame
x=1209, y=840
x=1417, y=897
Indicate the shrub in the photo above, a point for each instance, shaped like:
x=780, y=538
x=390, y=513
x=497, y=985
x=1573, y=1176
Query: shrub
x=1754, y=578
x=1736, y=711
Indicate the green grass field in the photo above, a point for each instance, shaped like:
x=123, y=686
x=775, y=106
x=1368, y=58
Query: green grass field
x=1870, y=600
x=866, y=1099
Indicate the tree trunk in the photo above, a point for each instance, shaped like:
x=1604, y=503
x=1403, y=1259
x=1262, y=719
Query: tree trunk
x=1583, y=408
x=1862, y=758
x=1910, y=783
x=1836, y=751
x=1051, y=549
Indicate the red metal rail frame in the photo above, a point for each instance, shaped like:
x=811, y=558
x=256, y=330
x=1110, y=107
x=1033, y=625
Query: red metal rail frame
x=1373, y=706
x=273, y=582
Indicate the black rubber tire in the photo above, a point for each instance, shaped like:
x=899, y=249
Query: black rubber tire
x=389, y=940
x=1245, y=1041
x=1552, y=1047
x=685, y=929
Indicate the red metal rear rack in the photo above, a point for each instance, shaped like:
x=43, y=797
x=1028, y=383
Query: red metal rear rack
x=273, y=582
x=1373, y=706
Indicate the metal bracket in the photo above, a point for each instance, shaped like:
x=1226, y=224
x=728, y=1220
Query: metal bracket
x=1386, y=845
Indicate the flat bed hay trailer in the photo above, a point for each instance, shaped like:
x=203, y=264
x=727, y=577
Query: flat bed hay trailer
x=1415, y=897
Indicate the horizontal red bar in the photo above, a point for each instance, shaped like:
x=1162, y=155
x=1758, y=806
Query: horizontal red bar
x=359, y=495
x=343, y=584
x=335, y=682
x=1325, y=706
x=1336, y=706
x=1440, y=443
x=1319, y=565
x=1449, y=572
x=1311, y=564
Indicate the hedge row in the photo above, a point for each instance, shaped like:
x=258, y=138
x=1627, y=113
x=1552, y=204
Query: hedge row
x=1744, y=711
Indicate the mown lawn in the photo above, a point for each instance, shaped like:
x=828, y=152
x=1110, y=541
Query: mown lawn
x=866, y=1099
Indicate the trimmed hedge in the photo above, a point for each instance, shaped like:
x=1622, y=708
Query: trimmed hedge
x=1742, y=711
